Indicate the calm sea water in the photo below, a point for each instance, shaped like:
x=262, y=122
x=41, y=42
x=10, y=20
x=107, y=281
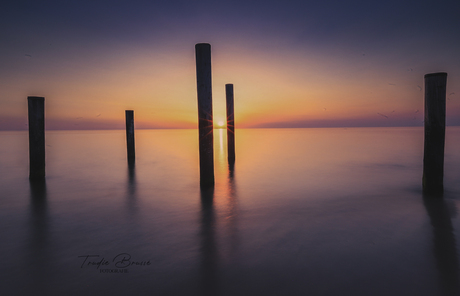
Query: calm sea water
x=302, y=212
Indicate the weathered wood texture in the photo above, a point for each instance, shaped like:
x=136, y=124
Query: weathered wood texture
x=36, y=109
x=129, y=114
x=435, y=127
x=230, y=122
x=205, y=120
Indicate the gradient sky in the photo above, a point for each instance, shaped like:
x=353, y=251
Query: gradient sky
x=292, y=63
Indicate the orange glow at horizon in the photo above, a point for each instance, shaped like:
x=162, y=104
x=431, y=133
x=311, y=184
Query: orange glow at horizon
x=161, y=89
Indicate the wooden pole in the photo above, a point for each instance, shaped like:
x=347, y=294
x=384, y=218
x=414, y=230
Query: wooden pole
x=36, y=108
x=230, y=123
x=205, y=123
x=435, y=128
x=129, y=114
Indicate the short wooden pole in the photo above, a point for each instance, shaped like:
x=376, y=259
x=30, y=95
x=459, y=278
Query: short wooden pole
x=129, y=114
x=230, y=123
x=205, y=121
x=435, y=128
x=36, y=109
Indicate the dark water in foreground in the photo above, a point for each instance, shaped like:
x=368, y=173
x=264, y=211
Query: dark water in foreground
x=303, y=212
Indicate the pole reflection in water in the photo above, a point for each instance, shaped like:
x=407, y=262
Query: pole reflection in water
x=225, y=195
x=232, y=211
x=131, y=188
x=444, y=245
x=208, y=249
x=37, y=252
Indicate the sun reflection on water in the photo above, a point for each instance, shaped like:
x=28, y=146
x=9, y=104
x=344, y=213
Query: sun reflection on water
x=225, y=195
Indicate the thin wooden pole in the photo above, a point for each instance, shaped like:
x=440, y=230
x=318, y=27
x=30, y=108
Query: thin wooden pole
x=129, y=114
x=36, y=109
x=205, y=121
x=435, y=129
x=230, y=123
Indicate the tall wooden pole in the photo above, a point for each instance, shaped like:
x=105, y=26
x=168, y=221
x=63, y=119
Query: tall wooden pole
x=129, y=114
x=205, y=123
x=230, y=123
x=435, y=128
x=36, y=108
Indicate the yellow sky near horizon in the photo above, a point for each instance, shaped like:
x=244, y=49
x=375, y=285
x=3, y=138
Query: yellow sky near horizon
x=270, y=87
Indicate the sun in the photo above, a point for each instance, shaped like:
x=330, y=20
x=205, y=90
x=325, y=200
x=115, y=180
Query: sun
x=220, y=124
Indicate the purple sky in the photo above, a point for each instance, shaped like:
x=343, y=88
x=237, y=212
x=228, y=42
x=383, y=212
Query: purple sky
x=293, y=63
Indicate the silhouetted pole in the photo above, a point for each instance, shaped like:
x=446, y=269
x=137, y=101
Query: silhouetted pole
x=205, y=124
x=435, y=129
x=230, y=123
x=36, y=106
x=129, y=114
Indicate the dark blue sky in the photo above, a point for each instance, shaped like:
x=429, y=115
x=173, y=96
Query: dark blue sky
x=320, y=22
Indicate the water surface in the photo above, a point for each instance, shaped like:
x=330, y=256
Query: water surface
x=301, y=212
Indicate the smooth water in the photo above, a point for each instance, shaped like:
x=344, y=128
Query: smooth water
x=302, y=212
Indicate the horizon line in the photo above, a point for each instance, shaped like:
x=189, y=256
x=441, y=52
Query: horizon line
x=217, y=128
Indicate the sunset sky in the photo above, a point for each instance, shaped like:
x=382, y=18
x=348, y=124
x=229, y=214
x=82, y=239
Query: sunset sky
x=292, y=63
